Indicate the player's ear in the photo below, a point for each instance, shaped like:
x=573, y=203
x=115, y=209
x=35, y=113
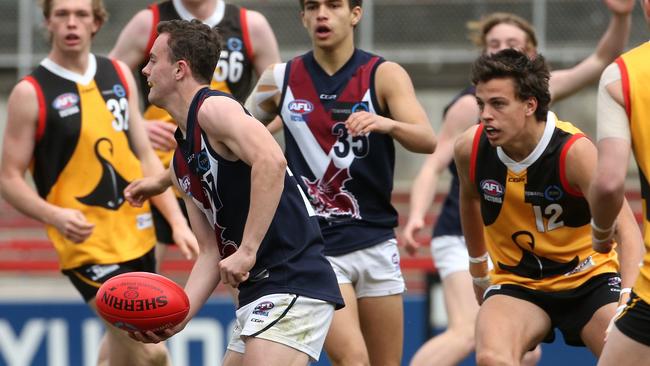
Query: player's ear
x=531, y=106
x=182, y=68
x=357, y=13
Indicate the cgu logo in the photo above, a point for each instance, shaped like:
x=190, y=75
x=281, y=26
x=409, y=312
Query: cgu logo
x=65, y=101
x=300, y=106
x=492, y=188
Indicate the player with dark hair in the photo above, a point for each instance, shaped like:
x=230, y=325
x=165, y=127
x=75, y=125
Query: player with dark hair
x=244, y=206
x=249, y=46
x=491, y=33
x=524, y=176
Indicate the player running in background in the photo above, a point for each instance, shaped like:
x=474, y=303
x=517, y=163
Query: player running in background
x=623, y=112
x=74, y=123
x=492, y=33
x=255, y=228
x=342, y=108
x=249, y=47
x=524, y=176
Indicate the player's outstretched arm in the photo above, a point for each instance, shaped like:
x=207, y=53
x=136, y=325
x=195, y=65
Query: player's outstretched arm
x=568, y=81
x=238, y=136
x=17, y=153
x=460, y=116
x=409, y=124
x=470, y=215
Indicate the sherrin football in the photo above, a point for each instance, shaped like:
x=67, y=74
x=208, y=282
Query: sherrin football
x=139, y=301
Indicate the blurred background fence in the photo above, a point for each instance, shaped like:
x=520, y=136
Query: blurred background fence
x=427, y=36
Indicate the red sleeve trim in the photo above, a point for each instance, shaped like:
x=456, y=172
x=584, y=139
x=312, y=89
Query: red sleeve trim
x=118, y=69
x=243, y=20
x=625, y=81
x=42, y=110
x=472, y=163
x=563, y=154
x=154, y=32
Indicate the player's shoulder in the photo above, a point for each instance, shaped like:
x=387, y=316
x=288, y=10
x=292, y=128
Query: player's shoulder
x=24, y=89
x=218, y=106
x=23, y=102
x=142, y=20
x=258, y=25
x=465, y=142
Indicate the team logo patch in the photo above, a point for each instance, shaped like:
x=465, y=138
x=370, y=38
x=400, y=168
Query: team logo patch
x=65, y=101
x=492, y=190
x=614, y=281
x=99, y=271
x=66, y=104
x=234, y=44
x=119, y=91
x=143, y=221
x=300, y=106
x=263, y=308
x=584, y=265
x=184, y=183
x=553, y=193
x=395, y=260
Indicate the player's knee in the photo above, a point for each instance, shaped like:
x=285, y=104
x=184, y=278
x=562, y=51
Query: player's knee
x=465, y=338
x=350, y=357
x=154, y=355
x=531, y=358
x=489, y=357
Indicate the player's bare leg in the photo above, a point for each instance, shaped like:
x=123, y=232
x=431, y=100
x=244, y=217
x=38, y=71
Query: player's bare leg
x=344, y=343
x=122, y=350
x=593, y=333
x=102, y=357
x=382, y=325
x=457, y=342
x=263, y=352
x=622, y=350
x=506, y=328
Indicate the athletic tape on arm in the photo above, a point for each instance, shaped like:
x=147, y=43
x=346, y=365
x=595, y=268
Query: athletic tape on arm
x=610, y=115
x=253, y=102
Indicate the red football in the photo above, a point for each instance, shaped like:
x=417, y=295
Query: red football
x=139, y=301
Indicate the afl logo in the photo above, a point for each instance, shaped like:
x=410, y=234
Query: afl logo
x=553, y=193
x=492, y=188
x=65, y=101
x=300, y=106
x=234, y=44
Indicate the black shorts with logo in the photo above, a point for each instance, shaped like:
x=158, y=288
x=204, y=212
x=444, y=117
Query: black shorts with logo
x=163, y=230
x=634, y=322
x=569, y=310
x=88, y=278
